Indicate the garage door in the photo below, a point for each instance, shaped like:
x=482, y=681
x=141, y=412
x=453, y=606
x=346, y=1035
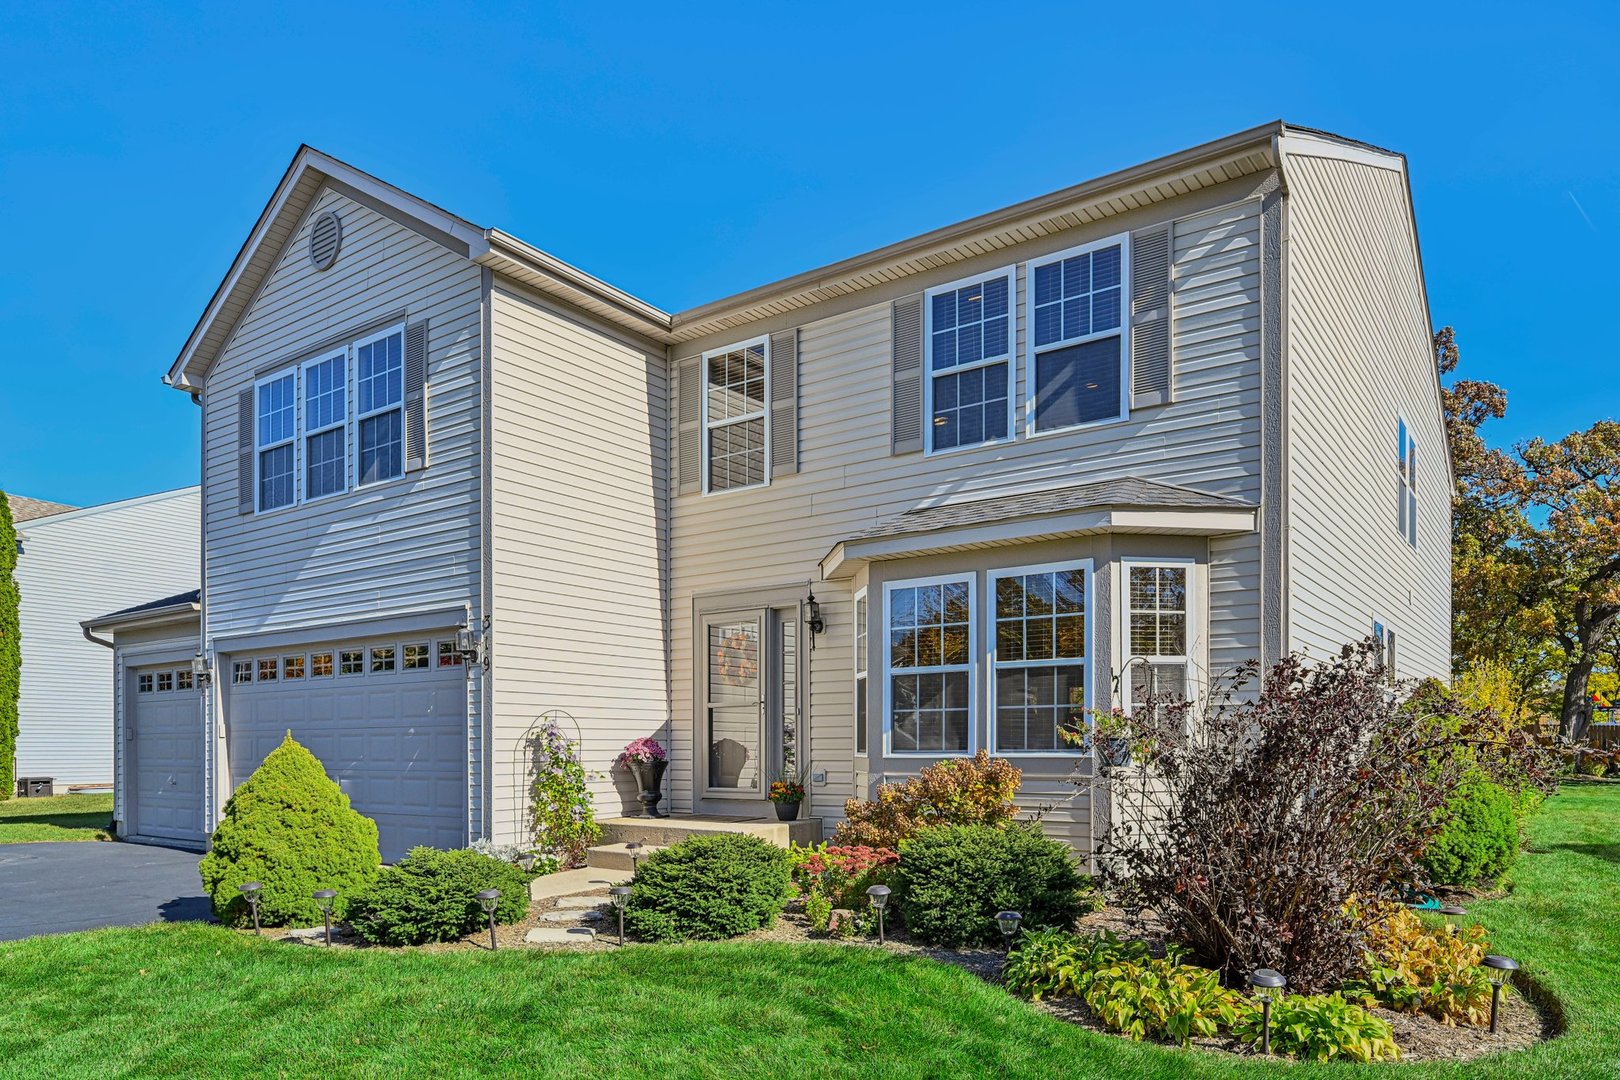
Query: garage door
x=164, y=737
x=388, y=719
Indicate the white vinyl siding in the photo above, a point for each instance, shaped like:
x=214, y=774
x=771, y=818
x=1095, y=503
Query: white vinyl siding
x=578, y=553
x=736, y=416
x=1360, y=355
x=1078, y=366
x=1040, y=648
x=967, y=362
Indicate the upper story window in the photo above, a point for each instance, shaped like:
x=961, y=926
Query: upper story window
x=1406, y=470
x=380, y=389
x=1156, y=632
x=1040, y=655
x=277, y=429
x=326, y=415
x=736, y=416
x=1076, y=367
x=967, y=359
x=929, y=665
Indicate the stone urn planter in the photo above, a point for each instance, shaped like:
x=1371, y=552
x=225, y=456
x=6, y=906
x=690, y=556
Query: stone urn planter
x=650, y=779
x=787, y=811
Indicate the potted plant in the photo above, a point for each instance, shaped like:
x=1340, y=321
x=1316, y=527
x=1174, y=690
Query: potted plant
x=646, y=759
x=1111, y=737
x=787, y=794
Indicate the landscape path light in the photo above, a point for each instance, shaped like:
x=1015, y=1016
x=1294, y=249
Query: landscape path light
x=250, y=891
x=879, y=895
x=634, y=848
x=1268, y=986
x=491, y=899
x=525, y=862
x=1452, y=913
x=1499, y=969
x=620, y=895
x=1007, y=922
x=324, y=897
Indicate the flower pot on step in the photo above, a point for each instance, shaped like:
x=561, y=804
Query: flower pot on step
x=650, y=779
x=787, y=811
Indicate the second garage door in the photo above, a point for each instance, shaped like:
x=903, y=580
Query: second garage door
x=388, y=719
x=164, y=792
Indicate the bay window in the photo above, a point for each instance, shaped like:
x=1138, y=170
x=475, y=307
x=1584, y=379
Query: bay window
x=1156, y=631
x=929, y=680
x=967, y=357
x=1040, y=656
x=1076, y=350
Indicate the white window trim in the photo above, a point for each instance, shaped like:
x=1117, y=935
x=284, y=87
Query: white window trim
x=1197, y=639
x=357, y=416
x=309, y=664
x=1123, y=240
x=861, y=664
x=1384, y=633
x=347, y=424
x=991, y=666
x=1406, y=473
x=1011, y=274
x=972, y=666
x=708, y=425
x=297, y=435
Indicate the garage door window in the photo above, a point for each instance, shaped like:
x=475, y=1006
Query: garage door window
x=182, y=679
x=320, y=665
x=241, y=672
x=292, y=667
x=351, y=662
x=165, y=681
x=416, y=657
x=449, y=655
x=267, y=670
x=382, y=658
x=143, y=684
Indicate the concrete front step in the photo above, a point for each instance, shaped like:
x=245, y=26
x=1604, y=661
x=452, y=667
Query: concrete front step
x=587, y=879
x=617, y=857
x=555, y=935
x=661, y=832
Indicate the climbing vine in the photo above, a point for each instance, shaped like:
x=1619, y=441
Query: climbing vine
x=564, y=815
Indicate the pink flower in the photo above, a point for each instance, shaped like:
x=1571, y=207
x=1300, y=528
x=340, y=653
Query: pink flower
x=643, y=751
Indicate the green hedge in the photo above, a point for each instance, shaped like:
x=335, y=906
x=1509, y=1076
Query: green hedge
x=290, y=828
x=708, y=887
x=1480, y=838
x=10, y=650
x=431, y=896
x=954, y=879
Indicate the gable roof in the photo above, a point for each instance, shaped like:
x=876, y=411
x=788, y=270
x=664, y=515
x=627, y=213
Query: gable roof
x=26, y=509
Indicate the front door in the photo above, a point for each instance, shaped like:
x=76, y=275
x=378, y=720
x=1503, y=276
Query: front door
x=750, y=717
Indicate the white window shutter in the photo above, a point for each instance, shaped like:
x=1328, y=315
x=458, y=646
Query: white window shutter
x=907, y=373
x=244, y=452
x=689, y=424
x=416, y=364
x=1151, y=375
x=784, y=402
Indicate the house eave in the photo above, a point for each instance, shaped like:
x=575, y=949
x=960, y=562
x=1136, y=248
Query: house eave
x=507, y=255
x=848, y=556
x=175, y=615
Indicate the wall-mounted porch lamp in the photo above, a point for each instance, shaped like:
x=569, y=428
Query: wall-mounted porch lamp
x=812, y=616
x=201, y=674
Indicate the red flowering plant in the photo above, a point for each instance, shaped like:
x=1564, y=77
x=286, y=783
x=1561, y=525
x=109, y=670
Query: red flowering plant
x=843, y=873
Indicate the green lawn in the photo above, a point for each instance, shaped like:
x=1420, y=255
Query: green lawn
x=63, y=817
x=188, y=1000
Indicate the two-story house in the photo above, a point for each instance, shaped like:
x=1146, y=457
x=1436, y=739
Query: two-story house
x=938, y=497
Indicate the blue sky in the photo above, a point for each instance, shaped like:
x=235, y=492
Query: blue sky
x=685, y=152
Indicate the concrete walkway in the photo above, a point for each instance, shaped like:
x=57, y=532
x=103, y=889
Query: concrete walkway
x=82, y=885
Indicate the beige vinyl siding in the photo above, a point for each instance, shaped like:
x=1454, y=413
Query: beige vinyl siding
x=579, y=492
x=1359, y=359
x=848, y=480
x=408, y=545
x=78, y=566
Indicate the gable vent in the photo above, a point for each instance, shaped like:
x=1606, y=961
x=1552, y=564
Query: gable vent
x=324, y=237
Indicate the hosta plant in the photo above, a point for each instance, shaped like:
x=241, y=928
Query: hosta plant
x=1411, y=966
x=1321, y=1028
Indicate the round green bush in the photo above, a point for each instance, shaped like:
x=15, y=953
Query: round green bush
x=954, y=879
x=707, y=888
x=431, y=895
x=1480, y=837
x=290, y=828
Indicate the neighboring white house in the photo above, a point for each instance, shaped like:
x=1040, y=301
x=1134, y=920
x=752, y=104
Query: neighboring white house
x=938, y=497
x=73, y=565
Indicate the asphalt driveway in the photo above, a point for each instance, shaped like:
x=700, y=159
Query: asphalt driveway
x=55, y=888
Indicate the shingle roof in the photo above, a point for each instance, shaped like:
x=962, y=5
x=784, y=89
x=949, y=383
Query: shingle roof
x=177, y=600
x=26, y=509
x=1128, y=492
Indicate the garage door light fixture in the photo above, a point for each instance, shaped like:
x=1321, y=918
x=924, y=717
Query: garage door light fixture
x=201, y=674
x=470, y=644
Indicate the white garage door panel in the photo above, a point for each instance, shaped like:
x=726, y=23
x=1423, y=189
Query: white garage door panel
x=396, y=743
x=165, y=800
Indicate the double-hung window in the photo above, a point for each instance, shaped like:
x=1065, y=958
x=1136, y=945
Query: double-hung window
x=736, y=416
x=1156, y=630
x=860, y=672
x=277, y=412
x=1076, y=366
x=1040, y=656
x=929, y=664
x=1406, y=470
x=380, y=393
x=326, y=384
x=967, y=344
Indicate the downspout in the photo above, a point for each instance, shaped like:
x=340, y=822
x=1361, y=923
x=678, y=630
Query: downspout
x=84, y=628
